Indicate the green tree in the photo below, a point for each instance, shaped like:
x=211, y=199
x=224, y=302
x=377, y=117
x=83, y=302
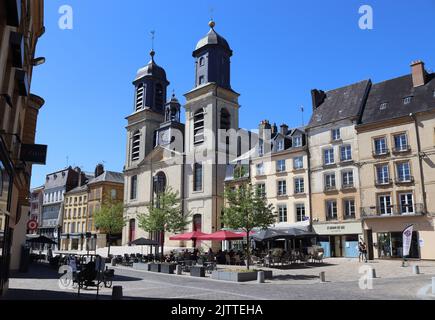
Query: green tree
x=165, y=214
x=245, y=210
x=109, y=219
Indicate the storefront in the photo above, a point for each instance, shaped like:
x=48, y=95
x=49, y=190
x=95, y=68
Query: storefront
x=339, y=239
x=385, y=238
x=5, y=207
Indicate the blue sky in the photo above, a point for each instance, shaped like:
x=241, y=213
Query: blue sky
x=282, y=50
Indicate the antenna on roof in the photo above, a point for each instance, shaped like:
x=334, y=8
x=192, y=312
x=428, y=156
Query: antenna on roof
x=302, y=113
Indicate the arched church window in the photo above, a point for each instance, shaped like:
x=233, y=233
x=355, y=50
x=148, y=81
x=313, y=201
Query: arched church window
x=135, y=146
x=201, y=80
x=225, y=119
x=159, y=183
x=198, y=127
x=202, y=61
x=140, y=96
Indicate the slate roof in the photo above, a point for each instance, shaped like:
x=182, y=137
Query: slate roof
x=78, y=189
x=340, y=104
x=108, y=176
x=212, y=38
x=393, y=92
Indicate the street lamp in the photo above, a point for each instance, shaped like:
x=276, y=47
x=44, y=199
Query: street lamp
x=38, y=61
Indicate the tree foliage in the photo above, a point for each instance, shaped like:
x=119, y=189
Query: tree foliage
x=109, y=218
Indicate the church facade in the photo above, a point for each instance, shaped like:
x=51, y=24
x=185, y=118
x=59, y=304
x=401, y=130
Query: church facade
x=189, y=158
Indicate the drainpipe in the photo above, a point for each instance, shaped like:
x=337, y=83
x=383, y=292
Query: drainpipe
x=420, y=161
x=310, y=200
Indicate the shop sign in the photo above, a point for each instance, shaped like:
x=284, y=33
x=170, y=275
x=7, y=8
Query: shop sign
x=338, y=228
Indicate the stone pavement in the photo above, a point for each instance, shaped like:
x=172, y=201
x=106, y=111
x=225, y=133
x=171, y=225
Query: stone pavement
x=342, y=277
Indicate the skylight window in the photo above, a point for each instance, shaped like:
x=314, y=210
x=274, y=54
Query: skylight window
x=383, y=106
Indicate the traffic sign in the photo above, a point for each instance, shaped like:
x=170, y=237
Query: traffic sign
x=32, y=225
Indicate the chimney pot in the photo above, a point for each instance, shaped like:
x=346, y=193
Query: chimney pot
x=418, y=73
x=284, y=129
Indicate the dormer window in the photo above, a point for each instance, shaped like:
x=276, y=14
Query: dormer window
x=407, y=100
x=297, y=141
x=383, y=106
x=140, y=97
x=335, y=134
x=198, y=127
x=280, y=145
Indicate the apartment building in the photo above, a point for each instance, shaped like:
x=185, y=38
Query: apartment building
x=334, y=171
x=281, y=174
x=396, y=138
x=21, y=25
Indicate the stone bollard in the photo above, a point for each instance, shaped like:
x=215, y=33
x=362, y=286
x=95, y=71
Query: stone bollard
x=372, y=273
x=260, y=277
x=322, y=276
x=433, y=286
x=179, y=270
x=117, y=293
x=113, y=262
x=416, y=270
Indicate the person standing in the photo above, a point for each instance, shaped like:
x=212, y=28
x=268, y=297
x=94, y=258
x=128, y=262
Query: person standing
x=360, y=250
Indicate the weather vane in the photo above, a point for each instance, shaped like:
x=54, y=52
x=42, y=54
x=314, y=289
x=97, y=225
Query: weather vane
x=153, y=36
x=211, y=12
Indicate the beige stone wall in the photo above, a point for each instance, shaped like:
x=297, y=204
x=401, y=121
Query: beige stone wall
x=272, y=176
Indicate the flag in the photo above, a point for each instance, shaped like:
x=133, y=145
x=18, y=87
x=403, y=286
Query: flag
x=407, y=238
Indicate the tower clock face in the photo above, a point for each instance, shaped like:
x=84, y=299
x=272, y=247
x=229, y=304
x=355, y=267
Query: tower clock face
x=165, y=137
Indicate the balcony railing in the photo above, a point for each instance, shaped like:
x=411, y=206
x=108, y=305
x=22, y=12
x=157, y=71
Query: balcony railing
x=330, y=188
x=402, y=149
x=393, y=211
x=348, y=186
x=331, y=218
x=405, y=180
x=381, y=153
x=383, y=182
x=349, y=217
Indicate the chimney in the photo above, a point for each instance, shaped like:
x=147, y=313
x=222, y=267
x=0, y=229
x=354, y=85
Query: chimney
x=274, y=129
x=317, y=96
x=418, y=73
x=264, y=125
x=99, y=170
x=284, y=129
x=79, y=171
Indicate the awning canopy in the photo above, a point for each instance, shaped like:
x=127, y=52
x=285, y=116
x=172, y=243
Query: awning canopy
x=289, y=233
x=223, y=235
x=144, y=242
x=41, y=239
x=188, y=236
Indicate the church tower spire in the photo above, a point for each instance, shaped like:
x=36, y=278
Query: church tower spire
x=212, y=56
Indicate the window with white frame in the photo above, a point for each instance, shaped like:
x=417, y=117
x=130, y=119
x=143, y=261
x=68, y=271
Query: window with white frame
x=347, y=179
x=406, y=203
x=330, y=183
x=331, y=209
x=299, y=185
x=282, y=213
x=280, y=145
x=382, y=174
x=280, y=166
x=403, y=172
x=297, y=141
x=400, y=142
x=346, y=153
x=261, y=189
x=300, y=212
x=260, y=169
x=385, y=204
x=407, y=100
x=335, y=134
x=135, y=146
x=282, y=188
x=298, y=163
x=380, y=145
x=328, y=156
x=349, y=208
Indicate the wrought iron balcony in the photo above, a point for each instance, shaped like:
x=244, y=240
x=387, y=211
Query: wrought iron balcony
x=381, y=153
x=383, y=182
x=401, y=149
x=348, y=186
x=405, y=180
x=330, y=188
x=393, y=211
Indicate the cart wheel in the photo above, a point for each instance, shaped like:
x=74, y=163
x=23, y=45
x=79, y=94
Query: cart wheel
x=108, y=283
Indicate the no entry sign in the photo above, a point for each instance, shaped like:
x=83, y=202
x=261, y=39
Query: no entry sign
x=32, y=225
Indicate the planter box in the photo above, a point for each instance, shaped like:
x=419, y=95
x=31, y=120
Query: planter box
x=197, y=272
x=167, y=268
x=155, y=267
x=142, y=266
x=234, y=276
x=267, y=274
